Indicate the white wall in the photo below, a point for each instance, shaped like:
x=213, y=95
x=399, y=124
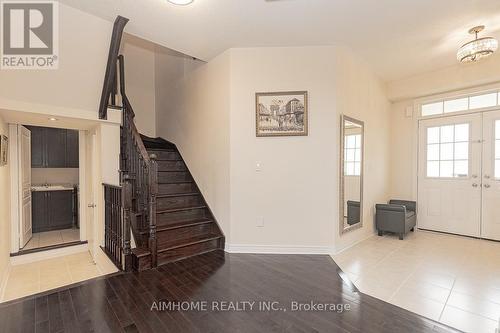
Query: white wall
x=210, y=115
x=296, y=191
x=193, y=99
x=403, y=162
x=361, y=95
x=55, y=176
x=456, y=77
x=4, y=212
x=140, y=81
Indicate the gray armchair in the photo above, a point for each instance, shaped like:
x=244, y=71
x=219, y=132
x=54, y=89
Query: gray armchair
x=353, y=212
x=399, y=216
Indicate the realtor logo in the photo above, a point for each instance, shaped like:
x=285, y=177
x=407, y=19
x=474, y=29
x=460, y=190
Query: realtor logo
x=29, y=35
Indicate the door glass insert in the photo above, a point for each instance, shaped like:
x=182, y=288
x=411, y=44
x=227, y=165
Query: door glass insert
x=448, y=151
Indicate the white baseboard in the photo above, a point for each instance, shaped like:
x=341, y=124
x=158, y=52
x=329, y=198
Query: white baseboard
x=49, y=254
x=277, y=249
x=335, y=252
x=3, y=280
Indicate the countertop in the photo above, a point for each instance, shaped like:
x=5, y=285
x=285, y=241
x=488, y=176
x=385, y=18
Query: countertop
x=52, y=187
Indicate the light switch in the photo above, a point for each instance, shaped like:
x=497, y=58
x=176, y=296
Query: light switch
x=260, y=221
x=258, y=166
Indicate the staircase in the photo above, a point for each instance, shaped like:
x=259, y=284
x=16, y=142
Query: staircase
x=185, y=226
x=158, y=201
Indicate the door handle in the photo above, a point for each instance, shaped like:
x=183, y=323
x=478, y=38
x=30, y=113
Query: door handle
x=487, y=176
x=475, y=185
x=92, y=205
x=487, y=185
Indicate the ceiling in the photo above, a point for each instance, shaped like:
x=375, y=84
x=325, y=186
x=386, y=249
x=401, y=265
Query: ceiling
x=398, y=38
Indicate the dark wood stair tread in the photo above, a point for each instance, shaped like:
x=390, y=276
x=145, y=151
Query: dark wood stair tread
x=180, y=209
x=176, y=182
x=172, y=195
x=140, y=252
x=180, y=224
x=190, y=241
x=169, y=150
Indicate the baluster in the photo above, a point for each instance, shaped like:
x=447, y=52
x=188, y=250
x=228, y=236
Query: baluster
x=153, y=191
x=127, y=211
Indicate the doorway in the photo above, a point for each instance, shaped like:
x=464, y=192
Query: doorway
x=46, y=175
x=459, y=174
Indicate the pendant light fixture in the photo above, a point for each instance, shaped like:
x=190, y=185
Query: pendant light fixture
x=181, y=2
x=478, y=48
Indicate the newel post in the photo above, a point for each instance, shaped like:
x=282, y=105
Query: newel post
x=127, y=208
x=153, y=189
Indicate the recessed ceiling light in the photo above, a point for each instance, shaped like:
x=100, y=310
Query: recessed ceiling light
x=52, y=119
x=181, y=2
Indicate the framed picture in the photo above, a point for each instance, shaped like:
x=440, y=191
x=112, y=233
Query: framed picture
x=281, y=113
x=4, y=149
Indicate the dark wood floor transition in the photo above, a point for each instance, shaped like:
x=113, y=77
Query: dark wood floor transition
x=216, y=285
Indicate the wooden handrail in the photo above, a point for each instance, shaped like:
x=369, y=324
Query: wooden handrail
x=109, y=76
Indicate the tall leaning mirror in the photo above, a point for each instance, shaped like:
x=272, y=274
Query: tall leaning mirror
x=351, y=174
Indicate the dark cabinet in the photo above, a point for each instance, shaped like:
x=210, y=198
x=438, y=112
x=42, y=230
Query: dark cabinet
x=52, y=210
x=54, y=147
x=37, y=147
x=39, y=213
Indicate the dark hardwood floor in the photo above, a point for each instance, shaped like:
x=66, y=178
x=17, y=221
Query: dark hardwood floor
x=123, y=302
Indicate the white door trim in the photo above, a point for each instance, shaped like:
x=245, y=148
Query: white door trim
x=82, y=189
x=14, y=188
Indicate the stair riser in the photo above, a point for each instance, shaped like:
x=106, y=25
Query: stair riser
x=167, y=237
x=165, y=177
x=177, y=188
x=187, y=251
x=166, y=155
x=178, y=202
x=165, y=219
x=171, y=166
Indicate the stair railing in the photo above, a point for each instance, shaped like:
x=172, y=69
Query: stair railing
x=140, y=171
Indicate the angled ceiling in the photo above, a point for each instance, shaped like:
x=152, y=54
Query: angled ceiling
x=398, y=38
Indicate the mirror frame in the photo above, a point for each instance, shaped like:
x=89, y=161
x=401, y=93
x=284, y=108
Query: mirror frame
x=343, y=229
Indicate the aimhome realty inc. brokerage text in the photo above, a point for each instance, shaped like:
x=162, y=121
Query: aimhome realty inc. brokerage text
x=238, y=306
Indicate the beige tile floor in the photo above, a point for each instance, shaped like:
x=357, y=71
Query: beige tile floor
x=49, y=238
x=32, y=278
x=451, y=279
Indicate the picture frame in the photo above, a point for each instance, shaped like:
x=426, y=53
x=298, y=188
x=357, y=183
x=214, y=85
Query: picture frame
x=4, y=150
x=281, y=114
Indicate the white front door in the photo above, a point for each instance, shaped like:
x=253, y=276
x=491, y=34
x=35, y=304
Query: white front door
x=491, y=176
x=449, y=177
x=24, y=140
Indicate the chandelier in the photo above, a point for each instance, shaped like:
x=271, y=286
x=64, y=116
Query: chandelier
x=477, y=48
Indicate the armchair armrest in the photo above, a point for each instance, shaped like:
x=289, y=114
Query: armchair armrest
x=410, y=205
x=391, y=208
